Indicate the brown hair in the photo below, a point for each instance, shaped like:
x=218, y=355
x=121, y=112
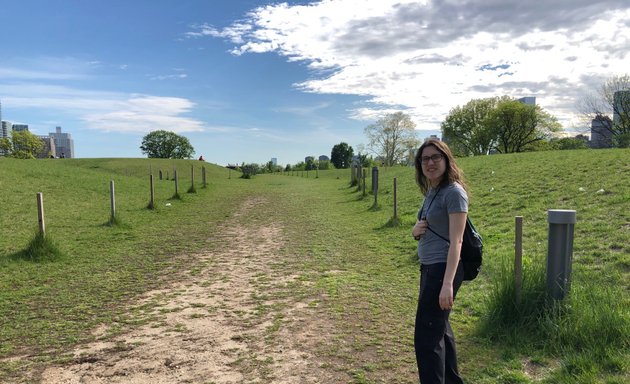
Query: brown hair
x=453, y=172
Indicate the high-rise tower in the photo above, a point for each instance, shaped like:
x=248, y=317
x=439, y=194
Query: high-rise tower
x=64, y=145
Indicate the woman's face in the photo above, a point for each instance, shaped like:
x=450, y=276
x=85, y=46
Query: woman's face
x=433, y=164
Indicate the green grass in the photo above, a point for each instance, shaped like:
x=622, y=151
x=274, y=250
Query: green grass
x=359, y=263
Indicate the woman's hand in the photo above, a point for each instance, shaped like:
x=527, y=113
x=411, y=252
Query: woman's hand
x=419, y=229
x=446, y=297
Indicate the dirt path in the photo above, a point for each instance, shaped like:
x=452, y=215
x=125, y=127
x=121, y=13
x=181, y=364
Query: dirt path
x=235, y=318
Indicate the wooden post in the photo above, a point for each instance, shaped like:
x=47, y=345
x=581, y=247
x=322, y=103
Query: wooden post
x=192, y=180
x=176, y=182
x=40, y=213
x=152, y=202
x=203, y=175
x=160, y=174
x=112, y=194
x=364, y=191
x=518, y=258
x=395, y=209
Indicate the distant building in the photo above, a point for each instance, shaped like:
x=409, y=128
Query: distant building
x=7, y=127
x=530, y=100
x=48, y=149
x=601, y=135
x=19, y=127
x=324, y=158
x=63, y=143
x=274, y=161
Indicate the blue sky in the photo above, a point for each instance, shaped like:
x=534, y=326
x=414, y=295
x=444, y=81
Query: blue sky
x=247, y=80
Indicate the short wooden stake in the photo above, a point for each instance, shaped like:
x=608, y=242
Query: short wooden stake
x=192, y=180
x=203, y=176
x=395, y=202
x=112, y=198
x=518, y=258
x=40, y=213
x=152, y=202
x=176, y=182
x=363, y=174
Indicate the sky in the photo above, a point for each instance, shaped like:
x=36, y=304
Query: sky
x=247, y=81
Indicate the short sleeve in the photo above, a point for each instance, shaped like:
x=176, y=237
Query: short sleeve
x=456, y=199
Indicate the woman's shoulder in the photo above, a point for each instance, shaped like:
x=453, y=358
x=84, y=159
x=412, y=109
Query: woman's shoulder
x=456, y=188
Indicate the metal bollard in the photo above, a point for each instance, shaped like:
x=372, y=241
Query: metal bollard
x=560, y=252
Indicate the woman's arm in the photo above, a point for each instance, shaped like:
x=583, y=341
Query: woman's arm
x=456, y=225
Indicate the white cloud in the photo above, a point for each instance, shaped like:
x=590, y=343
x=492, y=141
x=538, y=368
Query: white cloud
x=106, y=111
x=427, y=56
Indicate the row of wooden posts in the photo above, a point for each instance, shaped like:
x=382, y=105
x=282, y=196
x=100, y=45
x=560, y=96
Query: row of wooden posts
x=112, y=192
x=358, y=177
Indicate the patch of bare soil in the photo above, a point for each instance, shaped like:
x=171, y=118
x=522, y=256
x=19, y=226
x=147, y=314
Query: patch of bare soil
x=234, y=318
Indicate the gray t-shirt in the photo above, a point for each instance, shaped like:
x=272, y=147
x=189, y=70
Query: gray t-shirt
x=451, y=199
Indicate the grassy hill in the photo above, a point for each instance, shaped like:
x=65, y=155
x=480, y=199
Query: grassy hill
x=347, y=248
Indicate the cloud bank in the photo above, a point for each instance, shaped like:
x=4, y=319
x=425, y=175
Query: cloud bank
x=429, y=56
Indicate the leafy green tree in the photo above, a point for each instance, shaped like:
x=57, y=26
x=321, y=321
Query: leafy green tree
x=250, y=170
x=341, y=155
x=569, y=143
x=467, y=128
x=324, y=164
x=391, y=136
x=22, y=145
x=517, y=125
x=166, y=145
x=311, y=164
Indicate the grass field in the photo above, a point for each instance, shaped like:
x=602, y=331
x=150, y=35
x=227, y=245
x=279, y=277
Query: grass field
x=363, y=268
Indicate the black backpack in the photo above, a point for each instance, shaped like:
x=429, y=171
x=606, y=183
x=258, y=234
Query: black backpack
x=471, y=255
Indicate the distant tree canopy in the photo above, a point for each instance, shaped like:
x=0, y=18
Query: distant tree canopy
x=341, y=155
x=22, y=145
x=166, y=145
x=391, y=137
x=503, y=124
x=610, y=107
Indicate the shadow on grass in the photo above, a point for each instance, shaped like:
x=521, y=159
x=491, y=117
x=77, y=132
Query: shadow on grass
x=41, y=249
x=116, y=222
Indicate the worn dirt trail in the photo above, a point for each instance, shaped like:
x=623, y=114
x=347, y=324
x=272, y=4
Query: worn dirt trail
x=234, y=318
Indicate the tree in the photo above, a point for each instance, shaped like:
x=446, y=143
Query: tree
x=341, y=155
x=391, y=136
x=311, y=164
x=610, y=108
x=22, y=145
x=166, y=145
x=467, y=128
x=517, y=125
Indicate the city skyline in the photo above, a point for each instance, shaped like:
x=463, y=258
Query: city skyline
x=248, y=80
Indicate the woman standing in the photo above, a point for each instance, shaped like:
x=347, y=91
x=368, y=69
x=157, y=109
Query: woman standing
x=443, y=212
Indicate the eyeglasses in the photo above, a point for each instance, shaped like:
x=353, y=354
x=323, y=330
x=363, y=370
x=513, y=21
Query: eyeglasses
x=435, y=157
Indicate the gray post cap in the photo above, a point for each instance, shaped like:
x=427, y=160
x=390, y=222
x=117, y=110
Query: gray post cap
x=561, y=216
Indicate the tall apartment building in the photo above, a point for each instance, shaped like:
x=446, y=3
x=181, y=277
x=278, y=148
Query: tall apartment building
x=48, y=149
x=64, y=145
x=529, y=100
x=601, y=135
x=19, y=127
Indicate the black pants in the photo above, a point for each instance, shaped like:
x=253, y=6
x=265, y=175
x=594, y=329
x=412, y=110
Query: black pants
x=433, y=338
